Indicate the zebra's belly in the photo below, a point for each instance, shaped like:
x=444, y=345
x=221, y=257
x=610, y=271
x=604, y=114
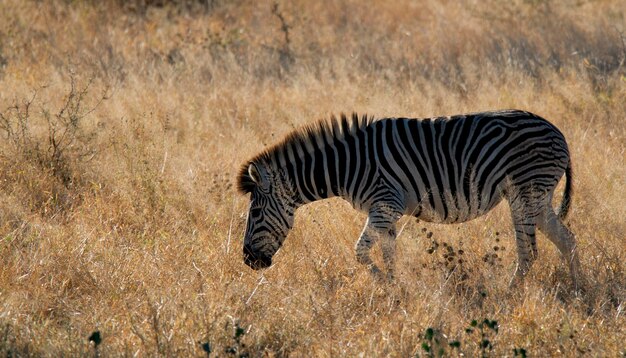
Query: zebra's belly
x=452, y=210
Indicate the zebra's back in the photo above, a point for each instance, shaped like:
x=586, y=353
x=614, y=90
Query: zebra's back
x=455, y=169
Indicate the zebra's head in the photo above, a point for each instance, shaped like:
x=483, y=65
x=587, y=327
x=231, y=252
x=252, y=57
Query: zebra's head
x=271, y=213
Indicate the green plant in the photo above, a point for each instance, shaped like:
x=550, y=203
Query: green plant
x=237, y=348
x=487, y=330
x=521, y=352
x=434, y=343
x=206, y=347
x=96, y=338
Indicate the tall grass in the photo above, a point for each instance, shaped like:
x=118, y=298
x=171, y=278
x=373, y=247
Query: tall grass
x=134, y=229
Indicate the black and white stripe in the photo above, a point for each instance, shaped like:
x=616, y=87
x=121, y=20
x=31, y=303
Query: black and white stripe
x=447, y=170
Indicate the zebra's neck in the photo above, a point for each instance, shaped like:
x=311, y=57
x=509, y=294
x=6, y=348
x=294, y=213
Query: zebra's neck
x=326, y=167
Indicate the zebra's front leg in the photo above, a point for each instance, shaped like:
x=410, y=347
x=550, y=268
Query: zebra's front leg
x=363, y=246
x=380, y=225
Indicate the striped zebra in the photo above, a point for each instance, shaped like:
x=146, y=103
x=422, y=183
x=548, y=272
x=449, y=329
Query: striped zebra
x=443, y=170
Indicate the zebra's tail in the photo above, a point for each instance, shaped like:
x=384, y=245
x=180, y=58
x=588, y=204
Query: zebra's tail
x=567, y=194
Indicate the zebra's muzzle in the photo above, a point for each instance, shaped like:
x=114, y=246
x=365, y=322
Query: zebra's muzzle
x=256, y=262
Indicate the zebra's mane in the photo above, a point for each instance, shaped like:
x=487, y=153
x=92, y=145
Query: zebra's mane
x=303, y=140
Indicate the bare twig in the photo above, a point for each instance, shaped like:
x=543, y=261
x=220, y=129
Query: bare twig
x=261, y=281
x=286, y=55
x=622, y=38
x=230, y=226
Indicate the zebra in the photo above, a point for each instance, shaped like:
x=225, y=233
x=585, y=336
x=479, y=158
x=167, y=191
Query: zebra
x=444, y=170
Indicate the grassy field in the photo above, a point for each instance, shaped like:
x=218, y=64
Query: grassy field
x=123, y=125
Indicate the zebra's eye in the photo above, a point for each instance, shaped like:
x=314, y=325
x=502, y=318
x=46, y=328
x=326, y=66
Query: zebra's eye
x=255, y=213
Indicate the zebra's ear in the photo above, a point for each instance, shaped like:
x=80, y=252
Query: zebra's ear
x=258, y=175
x=245, y=183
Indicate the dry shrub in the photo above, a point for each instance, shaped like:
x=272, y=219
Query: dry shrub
x=45, y=152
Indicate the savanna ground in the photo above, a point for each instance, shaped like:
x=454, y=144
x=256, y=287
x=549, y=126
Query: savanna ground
x=123, y=125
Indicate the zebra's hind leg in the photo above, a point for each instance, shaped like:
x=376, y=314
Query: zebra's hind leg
x=552, y=226
x=380, y=225
x=524, y=213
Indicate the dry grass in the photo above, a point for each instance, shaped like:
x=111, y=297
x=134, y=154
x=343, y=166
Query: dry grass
x=130, y=224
